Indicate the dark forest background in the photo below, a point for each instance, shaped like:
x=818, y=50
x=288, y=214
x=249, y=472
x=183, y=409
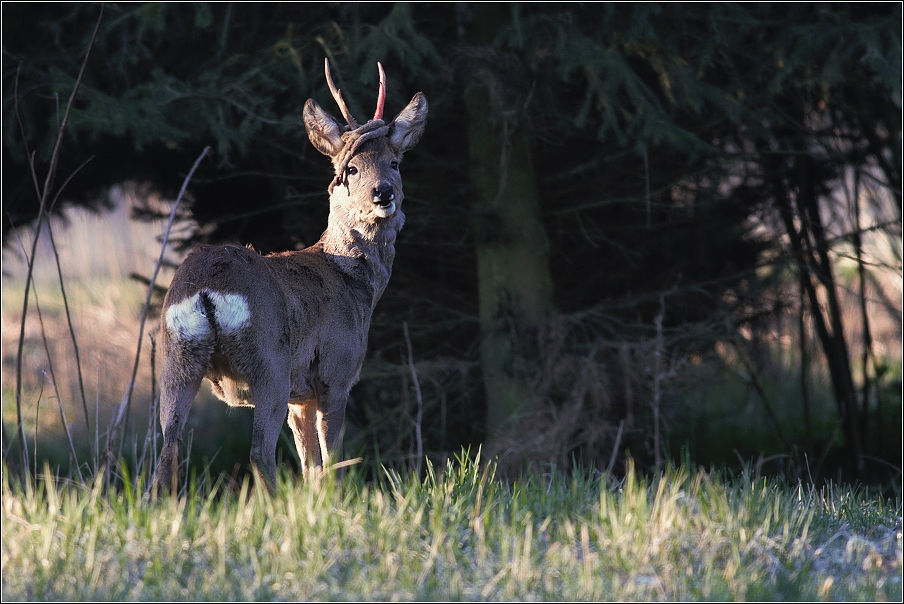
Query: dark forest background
x=616, y=209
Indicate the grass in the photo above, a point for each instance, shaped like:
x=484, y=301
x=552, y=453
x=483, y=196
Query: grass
x=460, y=534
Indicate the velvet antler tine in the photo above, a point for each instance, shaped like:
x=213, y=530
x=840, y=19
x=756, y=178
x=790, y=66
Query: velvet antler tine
x=381, y=97
x=337, y=96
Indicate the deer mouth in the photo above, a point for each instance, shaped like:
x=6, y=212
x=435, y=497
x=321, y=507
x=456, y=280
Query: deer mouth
x=385, y=210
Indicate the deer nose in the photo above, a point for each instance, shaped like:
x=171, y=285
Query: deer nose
x=383, y=195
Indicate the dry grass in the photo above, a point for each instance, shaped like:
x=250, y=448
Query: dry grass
x=97, y=255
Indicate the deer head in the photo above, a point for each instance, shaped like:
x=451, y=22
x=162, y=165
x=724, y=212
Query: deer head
x=366, y=158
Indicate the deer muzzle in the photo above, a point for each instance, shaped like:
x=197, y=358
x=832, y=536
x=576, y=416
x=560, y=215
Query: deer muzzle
x=384, y=199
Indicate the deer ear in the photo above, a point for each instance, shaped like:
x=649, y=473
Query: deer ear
x=324, y=132
x=408, y=126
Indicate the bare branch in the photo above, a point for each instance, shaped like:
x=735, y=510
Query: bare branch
x=420, y=400
x=78, y=363
x=53, y=383
x=118, y=422
x=618, y=437
x=44, y=196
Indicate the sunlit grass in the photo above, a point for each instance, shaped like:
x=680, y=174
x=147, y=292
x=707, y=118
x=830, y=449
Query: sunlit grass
x=458, y=534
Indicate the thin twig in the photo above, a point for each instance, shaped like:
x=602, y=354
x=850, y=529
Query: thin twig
x=646, y=172
x=420, y=400
x=804, y=365
x=621, y=426
x=66, y=306
x=118, y=424
x=37, y=414
x=657, y=379
x=11, y=466
x=43, y=196
x=52, y=379
x=75, y=462
x=764, y=399
x=96, y=466
x=150, y=438
x=78, y=362
x=186, y=473
x=867, y=354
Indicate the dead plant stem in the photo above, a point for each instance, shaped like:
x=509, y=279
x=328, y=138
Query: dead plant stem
x=117, y=426
x=150, y=439
x=618, y=437
x=657, y=380
x=78, y=363
x=44, y=196
x=420, y=400
x=53, y=383
x=37, y=414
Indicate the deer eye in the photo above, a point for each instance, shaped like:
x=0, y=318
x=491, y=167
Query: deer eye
x=352, y=170
x=394, y=165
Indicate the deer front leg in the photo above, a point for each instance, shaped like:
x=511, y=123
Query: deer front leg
x=330, y=422
x=303, y=421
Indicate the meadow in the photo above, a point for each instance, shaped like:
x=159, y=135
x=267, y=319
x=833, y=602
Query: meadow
x=458, y=534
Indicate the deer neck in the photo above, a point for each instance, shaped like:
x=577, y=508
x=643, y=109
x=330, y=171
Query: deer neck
x=363, y=250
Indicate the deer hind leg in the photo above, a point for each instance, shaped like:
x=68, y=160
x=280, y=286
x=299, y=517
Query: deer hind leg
x=188, y=343
x=271, y=399
x=303, y=421
x=183, y=370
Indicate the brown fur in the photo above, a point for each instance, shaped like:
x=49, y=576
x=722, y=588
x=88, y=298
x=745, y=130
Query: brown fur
x=287, y=333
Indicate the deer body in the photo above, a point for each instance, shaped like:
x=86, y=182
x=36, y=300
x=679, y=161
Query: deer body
x=287, y=333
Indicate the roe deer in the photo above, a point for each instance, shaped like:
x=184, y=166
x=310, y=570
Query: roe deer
x=287, y=332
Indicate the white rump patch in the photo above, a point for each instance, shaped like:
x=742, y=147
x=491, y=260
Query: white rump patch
x=232, y=311
x=189, y=321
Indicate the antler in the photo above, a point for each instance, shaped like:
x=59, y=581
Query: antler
x=381, y=97
x=337, y=95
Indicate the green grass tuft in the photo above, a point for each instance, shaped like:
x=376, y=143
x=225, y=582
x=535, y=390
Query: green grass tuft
x=458, y=534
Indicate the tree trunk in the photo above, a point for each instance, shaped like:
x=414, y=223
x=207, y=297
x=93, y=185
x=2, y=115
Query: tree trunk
x=810, y=247
x=514, y=281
